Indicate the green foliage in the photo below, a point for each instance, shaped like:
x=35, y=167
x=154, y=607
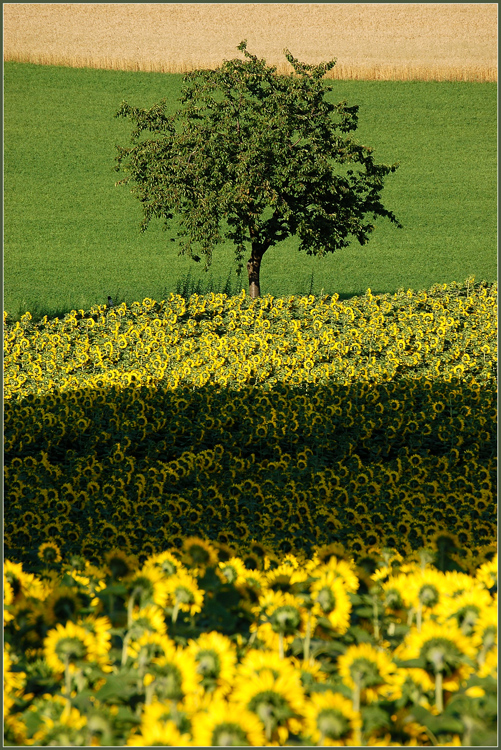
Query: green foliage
x=71, y=238
x=265, y=154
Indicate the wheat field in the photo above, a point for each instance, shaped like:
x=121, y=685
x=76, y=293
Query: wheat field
x=388, y=41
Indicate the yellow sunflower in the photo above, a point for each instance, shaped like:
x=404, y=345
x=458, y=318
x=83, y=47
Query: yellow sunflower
x=345, y=570
x=163, y=733
x=285, y=577
x=69, y=643
x=370, y=674
x=485, y=630
x=24, y=585
x=255, y=661
x=182, y=593
x=447, y=655
x=464, y=609
x=198, y=553
x=168, y=562
x=8, y=598
x=100, y=629
x=216, y=659
x=49, y=553
x=331, y=600
x=457, y=583
x=222, y=725
x=148, y=619
x=276, y=701
x=331, y=720
x=487, y=574
x=233, y=571
x=169, y=671
x=148, y=586
x=13, y=682
x=281, y=617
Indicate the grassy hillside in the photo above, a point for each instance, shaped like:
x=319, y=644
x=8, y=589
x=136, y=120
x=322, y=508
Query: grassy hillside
x=71, y=238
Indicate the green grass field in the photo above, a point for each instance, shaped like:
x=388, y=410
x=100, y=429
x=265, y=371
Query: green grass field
x=71, y=237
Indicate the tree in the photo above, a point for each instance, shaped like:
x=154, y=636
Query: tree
x=254, y=157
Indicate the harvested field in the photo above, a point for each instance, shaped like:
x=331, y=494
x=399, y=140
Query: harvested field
x=389, y=41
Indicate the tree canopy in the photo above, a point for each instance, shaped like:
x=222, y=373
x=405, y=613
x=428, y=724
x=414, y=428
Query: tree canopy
x=254, y=157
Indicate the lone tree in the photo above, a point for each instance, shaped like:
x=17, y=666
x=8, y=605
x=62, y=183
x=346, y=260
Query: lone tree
x=254, y=157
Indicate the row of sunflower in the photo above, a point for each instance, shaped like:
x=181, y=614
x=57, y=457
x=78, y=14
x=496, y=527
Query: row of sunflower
x=313, y=425
x=306, y=651
x=449, y=331
x=143, y=504
x=387, y=462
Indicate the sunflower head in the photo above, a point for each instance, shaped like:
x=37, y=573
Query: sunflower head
x=198, y=553
x=49, y=553
x=119, y=565
x=331, y=720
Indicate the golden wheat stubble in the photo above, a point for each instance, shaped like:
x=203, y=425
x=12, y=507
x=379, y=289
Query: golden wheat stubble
x=375, y=41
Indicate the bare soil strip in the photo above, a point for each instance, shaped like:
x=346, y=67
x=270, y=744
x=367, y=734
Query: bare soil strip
x=425, y=41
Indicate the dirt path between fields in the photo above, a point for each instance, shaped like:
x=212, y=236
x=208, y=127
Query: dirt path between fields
x=389, y=40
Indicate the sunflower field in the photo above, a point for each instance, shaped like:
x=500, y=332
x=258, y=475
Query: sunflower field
x=253, y=522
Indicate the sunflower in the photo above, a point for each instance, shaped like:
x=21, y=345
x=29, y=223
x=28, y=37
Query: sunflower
x=69, y=643
x=370, y=674
x=49, y=553
x=216, y=658
x=445, y=651
x=276, y=701
x=255, y=662
x=120, y=565
x=163, y=711
x=465, y=608
x=222, y=725
x=311, y=673
x=487, y=574
x=233, y=571
x=100, y=629
x=62, y=605
x=198, y=553
x=287, y=577
x=331, y=720
x=331, y=600
x=8, y=598
x=169, y=672
x=163, y=733
x=13, y=681
x=148, y=619
x=24, y=585
x=182, y=593
x=168, y=562
x=148, y=586
x=335, y=549
x=485, y=628
x=282, y=617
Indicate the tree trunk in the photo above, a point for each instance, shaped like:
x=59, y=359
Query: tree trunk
x=253, y=268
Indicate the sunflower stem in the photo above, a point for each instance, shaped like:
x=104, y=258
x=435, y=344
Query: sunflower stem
x=306, y=651
x=419, y=616
x=150, y=690
x=67, y=676
x=175, y=612
x=125, y=643
x=376, y=617
x=356, y=706
x=281, y=645
x=438, y=691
